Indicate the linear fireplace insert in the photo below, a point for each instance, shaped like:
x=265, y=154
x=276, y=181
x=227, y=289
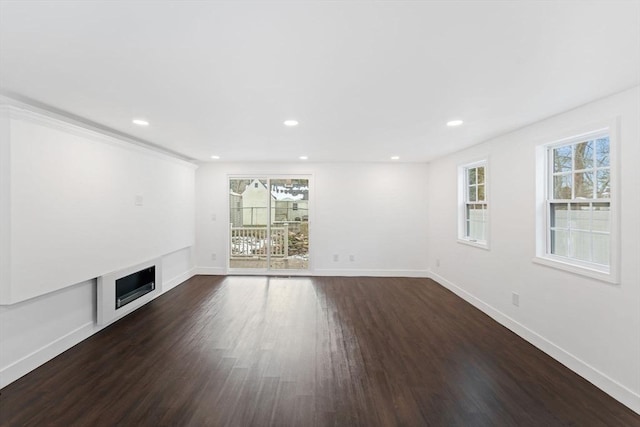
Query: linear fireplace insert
x=135, y=285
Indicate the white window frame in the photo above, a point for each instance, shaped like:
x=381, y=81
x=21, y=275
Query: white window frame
x=544, y=185
x=463, y=200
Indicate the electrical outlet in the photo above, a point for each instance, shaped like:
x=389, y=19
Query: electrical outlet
x=515, y=299
x=138, y=200
x=213, y=217
x=352, y=258
x=336, y=258
x=214, y=257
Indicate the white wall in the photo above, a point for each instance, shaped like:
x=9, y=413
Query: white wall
x=591, y=326
x=68, y=215
x=376, y=212
x=5, y=206
x=73, y=211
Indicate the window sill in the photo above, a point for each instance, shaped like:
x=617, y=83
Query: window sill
x=579, y=270
x=474, y=243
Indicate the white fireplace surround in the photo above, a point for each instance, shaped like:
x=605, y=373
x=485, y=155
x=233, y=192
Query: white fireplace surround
x=106, y=294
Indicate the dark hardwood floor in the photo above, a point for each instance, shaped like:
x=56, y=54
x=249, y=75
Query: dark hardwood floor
x=257, y=351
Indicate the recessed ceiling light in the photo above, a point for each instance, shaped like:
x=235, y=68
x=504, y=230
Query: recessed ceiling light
x=215, y=157
x=291, y=123
x=303, y=157
x=395, y=157
x=454, y=123
x=140, y=122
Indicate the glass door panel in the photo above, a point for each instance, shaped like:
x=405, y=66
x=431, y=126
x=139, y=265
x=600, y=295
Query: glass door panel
x=289, y=224
x=269, y=223
x=248, y=223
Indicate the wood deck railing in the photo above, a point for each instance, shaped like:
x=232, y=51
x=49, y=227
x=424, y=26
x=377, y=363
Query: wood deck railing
x=251, y=242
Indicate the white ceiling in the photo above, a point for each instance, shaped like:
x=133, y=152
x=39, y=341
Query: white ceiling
x=366, y=80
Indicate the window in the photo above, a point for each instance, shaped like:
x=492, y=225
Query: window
x=579, y=222
x=578, y=200
x=473, y=226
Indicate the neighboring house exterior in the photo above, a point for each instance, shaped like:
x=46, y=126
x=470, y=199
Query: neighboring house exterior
x=255, y=203
x=250, y=207
x=291, y=210
x=292, y=203
x=235, y=205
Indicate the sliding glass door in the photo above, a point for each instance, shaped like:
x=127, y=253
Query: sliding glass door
x=249, y=217
x=269, y=223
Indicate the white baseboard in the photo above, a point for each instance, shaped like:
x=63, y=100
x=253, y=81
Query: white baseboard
x=369, y=273
x=591, y=374
x=347, y=272
x=180, y=278
x=28, y=363
x=210, y=271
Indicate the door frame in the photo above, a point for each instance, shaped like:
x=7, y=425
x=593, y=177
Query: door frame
x=268, y=271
